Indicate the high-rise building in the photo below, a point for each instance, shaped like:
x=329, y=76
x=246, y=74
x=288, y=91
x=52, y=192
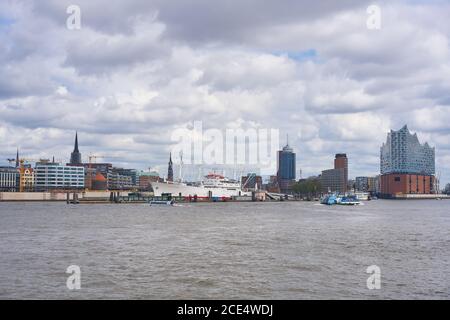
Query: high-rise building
x=170, y=169
x=332, y=180
x=336, y=180
x=286, y=168
x=341, y=162
x=75, y=156
x=406, y=165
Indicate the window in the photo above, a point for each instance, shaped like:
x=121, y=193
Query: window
x=397, y=179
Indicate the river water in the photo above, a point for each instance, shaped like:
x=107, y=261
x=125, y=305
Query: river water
x=284, y=250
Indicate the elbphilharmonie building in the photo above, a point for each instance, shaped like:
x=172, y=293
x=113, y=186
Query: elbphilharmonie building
x=407, y=167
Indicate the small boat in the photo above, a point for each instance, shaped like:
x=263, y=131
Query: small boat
x=162, y=202
x=349, y=201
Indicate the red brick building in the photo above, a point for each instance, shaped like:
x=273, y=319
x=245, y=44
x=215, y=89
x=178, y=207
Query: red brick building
x=400, y=183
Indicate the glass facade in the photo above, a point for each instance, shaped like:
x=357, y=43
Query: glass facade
x=403, y=153
x=8, y=179
x=56, y=176
x=286, y=164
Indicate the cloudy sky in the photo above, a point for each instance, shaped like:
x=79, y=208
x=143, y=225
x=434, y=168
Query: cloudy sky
x=138, y=70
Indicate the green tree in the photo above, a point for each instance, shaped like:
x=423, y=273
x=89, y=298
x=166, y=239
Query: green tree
x=447, y=188
x=307, y=188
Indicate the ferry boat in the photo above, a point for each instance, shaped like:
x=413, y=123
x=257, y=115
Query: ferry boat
x=349, y=201
x=332, y=199
x=329, y=199
x=213, y=186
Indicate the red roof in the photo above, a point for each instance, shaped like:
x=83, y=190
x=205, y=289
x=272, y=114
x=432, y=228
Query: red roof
x=99, y=177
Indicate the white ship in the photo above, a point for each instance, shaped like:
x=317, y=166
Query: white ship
x=214, y=185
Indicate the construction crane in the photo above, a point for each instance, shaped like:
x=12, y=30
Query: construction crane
x=93, y=156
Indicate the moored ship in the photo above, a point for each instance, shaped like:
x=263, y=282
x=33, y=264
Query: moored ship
x=213, y=186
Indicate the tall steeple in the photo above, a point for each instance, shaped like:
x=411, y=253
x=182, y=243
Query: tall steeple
x=75, y=156
x=17, y=159
x=170, y=169
x=76, y=142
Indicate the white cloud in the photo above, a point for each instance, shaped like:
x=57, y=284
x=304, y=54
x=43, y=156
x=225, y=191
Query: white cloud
x=138, y=69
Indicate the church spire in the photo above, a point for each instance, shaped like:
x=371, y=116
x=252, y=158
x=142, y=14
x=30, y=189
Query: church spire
x=170, y=169
x=76, y=142
x=75, y=156
x=17, y=159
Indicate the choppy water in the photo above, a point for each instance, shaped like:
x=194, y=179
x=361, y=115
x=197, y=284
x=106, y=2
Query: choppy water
x=294, y=250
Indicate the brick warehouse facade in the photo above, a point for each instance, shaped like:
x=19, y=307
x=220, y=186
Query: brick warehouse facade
x=392, y=184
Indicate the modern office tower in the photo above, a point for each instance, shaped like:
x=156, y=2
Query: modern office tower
x=406, y=165
x=332, y=180
x=286, y=169
x=170, y=169
x=75, y=156
x=336, y=180
x=9, y=179
x=51, y=176
x=341, y=162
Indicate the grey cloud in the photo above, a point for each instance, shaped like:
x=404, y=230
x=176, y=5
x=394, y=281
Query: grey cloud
x=238, y=21
x=133, y=77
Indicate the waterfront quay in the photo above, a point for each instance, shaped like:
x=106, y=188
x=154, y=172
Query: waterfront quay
x=93, y=197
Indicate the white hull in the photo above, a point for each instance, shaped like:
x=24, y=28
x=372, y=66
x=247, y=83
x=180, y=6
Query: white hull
x=176, y=189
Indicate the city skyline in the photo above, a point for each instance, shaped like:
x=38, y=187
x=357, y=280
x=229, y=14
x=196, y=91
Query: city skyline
x=133, y=74
x=76, y=158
